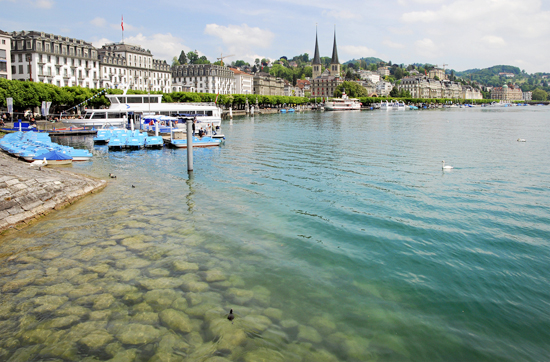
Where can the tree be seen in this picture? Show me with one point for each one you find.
(182, 59)
(240, 63)
(394, 92)
(175, 62)
(349, 75)
(539, 95)
(398, 73)
(353, 89)
(192, 57)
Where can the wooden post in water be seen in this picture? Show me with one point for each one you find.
(189, 123)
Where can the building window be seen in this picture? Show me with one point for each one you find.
(13, 69)
(39, 46)
(3, 41)
(20, 69)
(20, 57)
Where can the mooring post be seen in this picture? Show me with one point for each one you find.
(189, 123)
(156, 128)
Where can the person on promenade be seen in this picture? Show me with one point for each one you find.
(194, 123)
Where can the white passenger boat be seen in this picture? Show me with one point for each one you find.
(342, 104)
(134, 106)
(388, 106)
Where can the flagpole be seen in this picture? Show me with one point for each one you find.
(122, 26)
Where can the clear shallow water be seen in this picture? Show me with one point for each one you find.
(333, 236)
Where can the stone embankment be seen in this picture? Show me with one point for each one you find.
(27, 193)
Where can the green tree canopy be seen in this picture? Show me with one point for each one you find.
(539, 95)
(182, 58)
(353, 90)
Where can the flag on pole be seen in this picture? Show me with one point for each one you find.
(216, 101)
(122, 22)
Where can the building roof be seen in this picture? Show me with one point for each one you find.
(237, 71)
(316, 57)
(334, 52)
(4, 33)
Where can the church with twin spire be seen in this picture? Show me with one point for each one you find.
(324, 83)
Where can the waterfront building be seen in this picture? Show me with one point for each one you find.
(425, 87)
(527, 96)
(132, 66)
(204, 78)
(383, 71)
(507, 93)
(54, 59)
(383, 88)
(324, 84)
(244, 82)
(437, 72)
(368, 75)
(268, 85)
(5, 55)
(469, 92)
(304, 84)
(451, 90)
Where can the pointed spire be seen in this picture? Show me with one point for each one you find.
(316, 57)
(334, 51)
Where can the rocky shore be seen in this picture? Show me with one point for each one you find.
(27, 193)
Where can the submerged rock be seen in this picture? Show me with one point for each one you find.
(37, 336)
(49, 303)
(146, 318)
(132, 263)
(60, 322)
(161, 298)
(183, 266)
(215, 275)
(240, 296)
(274, 313)
(161, 283)
(323, 324)
(176, 320)
(138, 334)
(96, 339)
(103, 301)
(264, 354)
(309, 334)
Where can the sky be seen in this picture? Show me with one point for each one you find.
(462, 34)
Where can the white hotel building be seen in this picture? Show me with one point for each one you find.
(204, 78)
(126, 64)
(5, 55)
(54, 59)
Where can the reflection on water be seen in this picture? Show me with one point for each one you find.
(330, 251)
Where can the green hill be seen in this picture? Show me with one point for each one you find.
(368, 60)
(489, 72)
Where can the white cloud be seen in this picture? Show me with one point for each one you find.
(241, 40)
(393, 45)
(162, 46)
(44, 4)
(357, 51)
(419, 16)
(342, 14)
(98, 22)
(493, 40)
(426, 47)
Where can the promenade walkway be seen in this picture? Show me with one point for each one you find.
(27, 193)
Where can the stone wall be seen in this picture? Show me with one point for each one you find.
(27, 193)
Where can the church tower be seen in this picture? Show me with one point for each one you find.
(316, 63)
(335, 67)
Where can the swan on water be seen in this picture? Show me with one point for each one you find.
(521, 139)
(446, 167)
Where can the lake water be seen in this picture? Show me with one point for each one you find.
(332, 236)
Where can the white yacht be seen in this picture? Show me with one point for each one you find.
(134, 106)
(343, 104)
